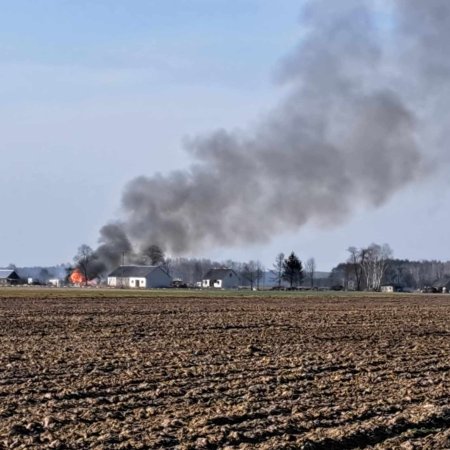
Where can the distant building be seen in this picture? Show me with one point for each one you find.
(221, 279)
(391, 288)
(139, 277)
(387, 289)
(9, 277)
(442, 285)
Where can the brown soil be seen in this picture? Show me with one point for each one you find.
(270, 373)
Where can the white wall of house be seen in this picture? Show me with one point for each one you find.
(230, 281)
(157, 278)
(126, 282)
(112, 281)
(137, 282)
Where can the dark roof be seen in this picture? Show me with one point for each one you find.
(218, 274)
(132, 271)
(6, 274)
(443, 282)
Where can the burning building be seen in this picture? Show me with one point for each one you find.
(77, 278)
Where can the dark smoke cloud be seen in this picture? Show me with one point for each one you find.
(349, 134)
(426, 34)
(114, 244)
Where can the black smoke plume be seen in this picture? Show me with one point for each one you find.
(363, 90)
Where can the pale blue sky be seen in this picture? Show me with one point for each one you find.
(95, 92)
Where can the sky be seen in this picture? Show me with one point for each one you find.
(94, 93)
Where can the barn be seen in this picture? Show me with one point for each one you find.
(139, 277)
(9, 277)
(220, 279)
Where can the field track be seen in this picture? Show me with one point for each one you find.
(199, 372)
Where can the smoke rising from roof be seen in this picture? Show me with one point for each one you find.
(362, 89)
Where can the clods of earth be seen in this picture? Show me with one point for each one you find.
(342, 372)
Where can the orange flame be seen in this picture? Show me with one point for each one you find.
(76, 277)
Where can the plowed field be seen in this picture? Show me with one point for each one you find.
(258, 372)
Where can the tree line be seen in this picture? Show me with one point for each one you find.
(369, 268)
(288, 269)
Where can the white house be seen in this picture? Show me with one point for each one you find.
(139, 277)
(221, 279)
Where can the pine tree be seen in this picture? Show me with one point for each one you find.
(292, 270)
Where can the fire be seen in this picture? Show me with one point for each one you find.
(76, 277)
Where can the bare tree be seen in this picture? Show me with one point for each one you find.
(277, 271)
(84, 259)
(375, 264)
(340, 277)
(356, 259)
(252, 273)
(310, 268)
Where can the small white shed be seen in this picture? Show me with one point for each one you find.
(139, 277)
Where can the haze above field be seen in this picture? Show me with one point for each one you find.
(96, 93)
